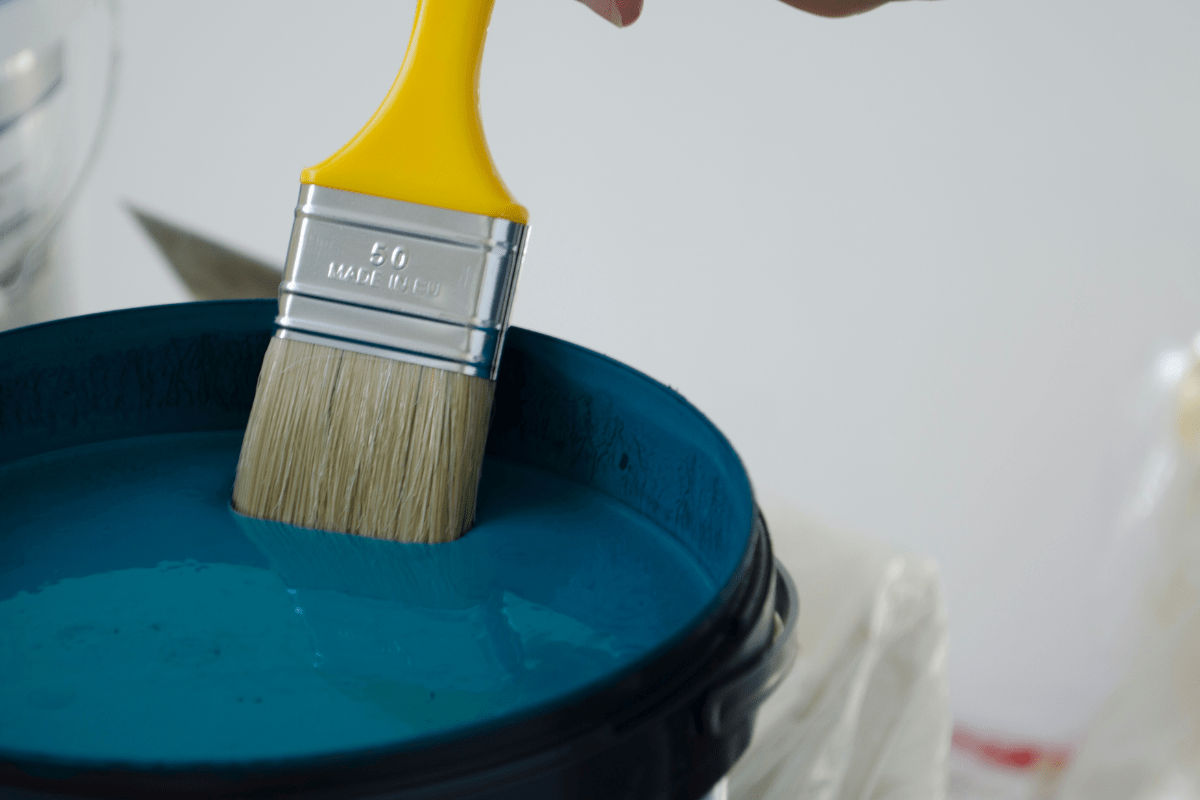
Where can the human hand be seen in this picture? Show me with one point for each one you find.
(624, 12)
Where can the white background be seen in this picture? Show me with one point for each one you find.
(913, 263)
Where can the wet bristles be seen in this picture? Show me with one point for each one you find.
(353, 443)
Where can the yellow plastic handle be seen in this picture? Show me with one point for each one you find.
(425, 143)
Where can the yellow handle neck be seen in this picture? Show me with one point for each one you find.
(425, 142)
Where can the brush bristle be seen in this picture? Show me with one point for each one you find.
(342, 441)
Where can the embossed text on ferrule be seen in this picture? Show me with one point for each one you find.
(407, 283)
(403, 284)
(359, 275)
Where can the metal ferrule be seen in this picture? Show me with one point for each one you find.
(400, 280)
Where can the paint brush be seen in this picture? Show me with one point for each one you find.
(374, 399)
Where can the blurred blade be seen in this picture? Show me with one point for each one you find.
(211, 271)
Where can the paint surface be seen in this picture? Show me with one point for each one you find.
(142, 621)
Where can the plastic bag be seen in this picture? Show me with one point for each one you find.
(1145, 743)
(865, 712)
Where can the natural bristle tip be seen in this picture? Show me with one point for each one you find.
(347, 442)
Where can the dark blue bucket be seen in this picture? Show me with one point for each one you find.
(607, 630)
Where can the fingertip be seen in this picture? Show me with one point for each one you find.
(630, 10)
(835, 8)
(619, 12)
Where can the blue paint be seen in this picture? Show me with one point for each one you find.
(144, 621)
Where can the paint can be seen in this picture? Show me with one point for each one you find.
(607, 630)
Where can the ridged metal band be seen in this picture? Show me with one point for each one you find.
(400, 280)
